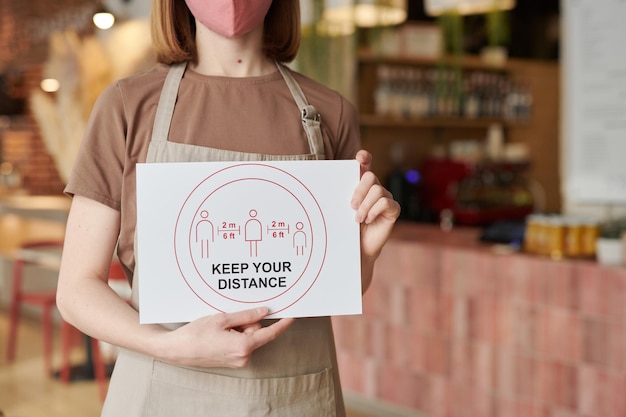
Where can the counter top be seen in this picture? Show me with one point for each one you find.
(16, 230)
(467, 237)
(46, 207)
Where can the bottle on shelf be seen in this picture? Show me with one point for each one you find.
(405, 91)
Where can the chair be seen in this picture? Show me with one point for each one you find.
(46, 254)
(44, 299)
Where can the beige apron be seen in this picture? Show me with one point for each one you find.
(293, 376)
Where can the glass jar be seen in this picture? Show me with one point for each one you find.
(555, 237)
(573, 241)
(531, 233)
(590, 232)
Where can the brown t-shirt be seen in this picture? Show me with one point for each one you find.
(255, 114)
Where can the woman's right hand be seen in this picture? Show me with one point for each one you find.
(222, 340)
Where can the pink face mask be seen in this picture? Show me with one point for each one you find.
(229, 18)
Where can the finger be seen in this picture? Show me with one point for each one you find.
(251, 328)
(375, 195)
(243, 318)
(365, 160)
(271, 332)
(368, 180)
(385, 207)
(372, 194)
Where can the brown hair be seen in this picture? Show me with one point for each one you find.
(174, 31)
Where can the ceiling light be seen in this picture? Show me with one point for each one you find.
(50, 85)
(103, 19)
(465, 7)
(343, 16)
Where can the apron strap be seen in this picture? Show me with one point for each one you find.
(167, 101)
(311, 119)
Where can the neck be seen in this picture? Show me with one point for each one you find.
(237, 57)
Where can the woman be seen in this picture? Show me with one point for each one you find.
(216, 94)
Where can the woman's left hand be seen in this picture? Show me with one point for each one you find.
(376, 210)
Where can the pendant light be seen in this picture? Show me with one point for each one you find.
(465, 7)
(345, 15)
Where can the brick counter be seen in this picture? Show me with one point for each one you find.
(452, 329)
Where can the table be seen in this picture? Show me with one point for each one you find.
(43, 207)
(16, 230)
(25, 218)
(29, 219)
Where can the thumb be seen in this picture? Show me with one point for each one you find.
(365, 160)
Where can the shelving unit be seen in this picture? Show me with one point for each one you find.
(375, 120)
(417, 135)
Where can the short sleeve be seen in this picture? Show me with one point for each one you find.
(98, 169)
(348, 132)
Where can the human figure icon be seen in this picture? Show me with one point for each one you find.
(299, 239)
(253, 233)
(205, 233)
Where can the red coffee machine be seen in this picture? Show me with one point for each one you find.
(477, 193)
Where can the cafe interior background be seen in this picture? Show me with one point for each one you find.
(497, 124)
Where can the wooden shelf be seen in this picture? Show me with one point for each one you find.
(466, 62)
(373, 120)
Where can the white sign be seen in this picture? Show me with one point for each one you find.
(223, 237)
